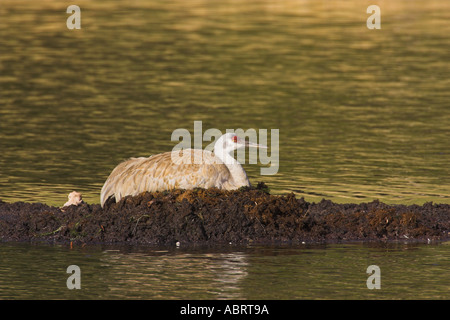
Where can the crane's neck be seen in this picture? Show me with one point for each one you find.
(238, 174)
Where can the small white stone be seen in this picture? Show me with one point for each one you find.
(75, 198)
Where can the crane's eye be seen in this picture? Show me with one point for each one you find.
(234, 139)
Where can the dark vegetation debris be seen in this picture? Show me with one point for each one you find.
(212, 216)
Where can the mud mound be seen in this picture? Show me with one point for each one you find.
(214, 216)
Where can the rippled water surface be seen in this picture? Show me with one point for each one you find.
(363, 114)
(407, 271)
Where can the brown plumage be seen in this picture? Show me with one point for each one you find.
(182, 169)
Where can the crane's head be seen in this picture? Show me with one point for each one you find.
(230, 142)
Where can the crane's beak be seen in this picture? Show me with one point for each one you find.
(255, 145)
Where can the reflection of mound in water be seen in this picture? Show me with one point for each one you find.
(217, 216)
(209, 274)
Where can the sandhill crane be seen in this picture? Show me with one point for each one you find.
(180, 170)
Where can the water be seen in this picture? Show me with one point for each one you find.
(363, 114)
(407, 271)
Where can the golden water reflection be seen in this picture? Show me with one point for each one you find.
(333, 271)
(363, 114)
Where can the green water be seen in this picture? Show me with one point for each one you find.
(363, 114)
(407, 271)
